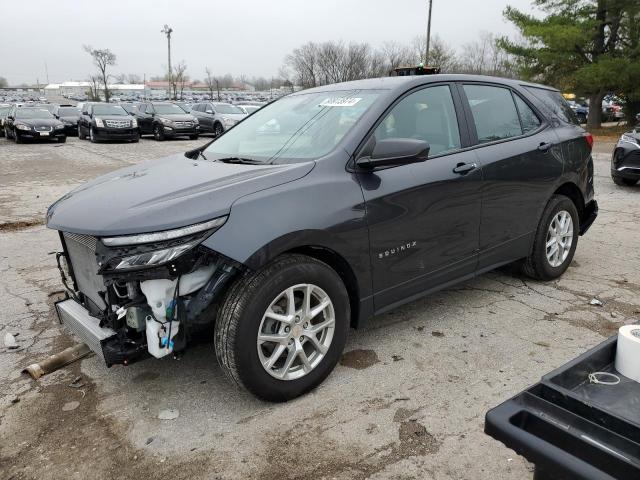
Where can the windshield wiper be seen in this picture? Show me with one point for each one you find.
(244, 161)
(201, 154)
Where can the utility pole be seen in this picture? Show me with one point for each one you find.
(46, 71)
(426, 55)
(167, 30)
(217, 87)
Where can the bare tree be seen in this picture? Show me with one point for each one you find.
(212, 83)
(178, 78)
(303, 62)
(485, 57)
(93, 93)
(102, 58)
(394, 54)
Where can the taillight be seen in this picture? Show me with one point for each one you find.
(589, 138)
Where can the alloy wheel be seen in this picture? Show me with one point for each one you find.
(296, 331)
(559, 238)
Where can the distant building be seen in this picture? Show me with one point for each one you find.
(71, 88)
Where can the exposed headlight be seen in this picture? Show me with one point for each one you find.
(99, 122)
(58, 127)
(229, 121)
(156, 257)
(134, 123)
(164, 235)
(21, 126)
(166, 121)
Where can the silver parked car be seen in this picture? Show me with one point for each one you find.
(216, 117)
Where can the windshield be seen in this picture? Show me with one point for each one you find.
(168, 108)
(109, 110)
(68, 112)
(32, 113)
(294, 128)
(222, 108)
(48, 108)
(250, 108)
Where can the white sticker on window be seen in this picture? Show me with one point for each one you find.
(339, 102)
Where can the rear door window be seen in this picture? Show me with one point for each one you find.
(556, 103)
(494, 112)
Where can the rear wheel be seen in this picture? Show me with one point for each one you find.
(158, 133)
(624, 182)
(555, 240)
(281, 329)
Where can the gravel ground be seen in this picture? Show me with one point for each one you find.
(407, 400)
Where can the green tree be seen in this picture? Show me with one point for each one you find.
(589, 47)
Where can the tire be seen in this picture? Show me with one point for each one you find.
(624, 182)
(136, 139)
(193, 137)
(537, 265)
(92, 136)
(158, 133)
(243, 315)
(62, 139)
(16, 138)
(81, 136)
(217, 130)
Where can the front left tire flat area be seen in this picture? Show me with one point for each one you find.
(281, 329)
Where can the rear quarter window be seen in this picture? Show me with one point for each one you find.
(555, 102)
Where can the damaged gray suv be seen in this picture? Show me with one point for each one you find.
(317, 212)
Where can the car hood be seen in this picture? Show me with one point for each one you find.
(70, 118)
(177, 117)
(163, 194)
(234, 116)
(39, 122)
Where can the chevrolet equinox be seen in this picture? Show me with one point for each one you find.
(315, 213)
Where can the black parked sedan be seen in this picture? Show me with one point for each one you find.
(102, 121)
(319, 211)
(33, 123)
(166, 120)
(69, 116)
(625, 161)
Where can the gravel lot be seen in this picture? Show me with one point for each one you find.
(407, 401)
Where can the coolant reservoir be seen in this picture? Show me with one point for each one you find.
(159, 295)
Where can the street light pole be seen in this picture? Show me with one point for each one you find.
(426, 56)
(167, 30)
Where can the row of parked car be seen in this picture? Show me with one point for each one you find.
(127, 122)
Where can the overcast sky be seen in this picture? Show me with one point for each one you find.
(240, 37)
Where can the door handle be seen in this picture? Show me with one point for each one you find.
(544, 146)
(464, 168)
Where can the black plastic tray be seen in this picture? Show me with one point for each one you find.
(571, 429)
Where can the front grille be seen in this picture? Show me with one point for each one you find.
(183, 124)
(117, 123)
(81, 252)
(43, 128)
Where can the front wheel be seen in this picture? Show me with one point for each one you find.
(555, 240)
(81, 136)
(193, 137)
(62, 139)
(158, 133)
(624, 182)
(281, 329)
(92, 136)
(218, 130)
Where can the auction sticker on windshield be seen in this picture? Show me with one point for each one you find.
(339, 102)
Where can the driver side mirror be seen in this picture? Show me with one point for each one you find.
(395, 151)
(209, 111)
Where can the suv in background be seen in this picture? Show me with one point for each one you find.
(166, 120)
(216, 117)
(317, 212)
(104, 121)
(69, 115)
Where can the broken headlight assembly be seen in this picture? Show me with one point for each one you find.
(156, 248)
